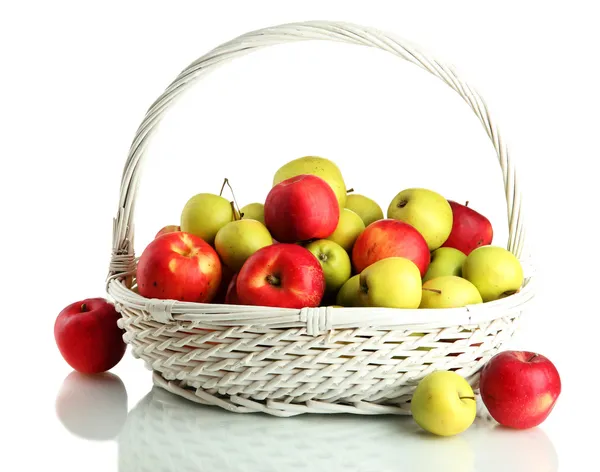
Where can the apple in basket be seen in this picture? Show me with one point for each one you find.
(168, 229)
(179, 266)
(470, 229)
(281, 275)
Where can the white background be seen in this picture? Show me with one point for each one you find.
(76, 80)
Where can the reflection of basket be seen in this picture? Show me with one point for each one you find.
(287, 361)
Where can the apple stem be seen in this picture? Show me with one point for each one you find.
(273, 280)
(467, 203)
(465, 398)
(83, 307)
(532, 357)
(402, 203)
(435, 290)
(235, 213)
(234, 205)
(350, 190)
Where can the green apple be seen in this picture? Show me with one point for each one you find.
(445, 261)
(393, 282)
(443, 403)
(335, 262)
(449, 291)
(238, 240)
(349, 226)
(205, 214)
(426, 210)
(315, 165)
(365, 207)
(495, 271)
(348, 295)
(254, 211)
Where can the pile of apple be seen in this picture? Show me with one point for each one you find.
(312, 243)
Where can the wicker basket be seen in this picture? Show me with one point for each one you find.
(287, 362)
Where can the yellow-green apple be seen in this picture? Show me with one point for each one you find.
(238, 240)
(254, 211)
(445, 261)
(315, 165)
(519, 388)
(334, 260)
(449, 291)
(179, 266)
(365, 207)
(168, 229)
(495, 271)
(394, 282)
(443, 403)
(390, 238)
(348, 294)
(281, 275)
(350, 225)
(205, 214)
(426, 210)
(470, 229)
(301, 208)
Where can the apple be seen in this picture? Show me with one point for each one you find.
(495, 271)
(470, 229)
(88, 337)
(426, 210)
(254, 211)
(388, 238)
(205, 214)
(365, 207)
(226, 276)
(519, 388)
(394, 282)
(334, 260)
(281, 275)
(179, 266)
(445, 261)
(301, 208)
(443, 403)
(348, 294)
(350, 225)
(315, 165)
(167, 229)
(231, 297)
(238, 240)
(449, 291)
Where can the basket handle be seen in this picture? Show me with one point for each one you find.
(123, 258)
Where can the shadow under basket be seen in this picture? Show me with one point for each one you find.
(287, 362)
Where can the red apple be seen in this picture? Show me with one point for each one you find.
(231, 297)
(470, 229)
(519, 388)
(87, 335)
(226, 276)
(168, 229)
(179, 266)
(282, 275)
(301, 208)
(390, 238)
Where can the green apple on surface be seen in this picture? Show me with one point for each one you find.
(254, 211)
(205, 214)
(443, 403)
(393, 282)
(495, 271)
(315, 165)
(349, 227)
(238, 240)
(426, 210)
(365, 207)
(334, 260)
(449, 291)
(445, 261)
(348, 294)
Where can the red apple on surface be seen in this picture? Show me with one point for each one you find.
(519, 388)
(87, 335)
(301, 208)
(282, 275)
(390, 238)
(231, 297)
(179, 266)
(168, 229)
(470, 229)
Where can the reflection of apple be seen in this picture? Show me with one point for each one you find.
(334, 260)
(444, 403)
(348, 294)
(238, 240)
(205, 214)
(519, 388)
(379, 284)
(254, 211)
(449, 291)
(470, 229)
(495, 271)
(426, 210)
(365, 207)
(445, 261)
(349, 227)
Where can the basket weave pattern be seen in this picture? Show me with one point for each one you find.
(287, 362)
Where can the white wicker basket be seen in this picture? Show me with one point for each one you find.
(287, 362)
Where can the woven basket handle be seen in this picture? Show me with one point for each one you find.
(123, 258)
